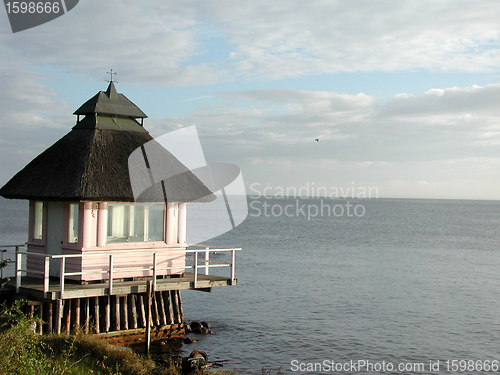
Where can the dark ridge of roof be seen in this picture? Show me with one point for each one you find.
(110, 103)
(94, 121)
(92, 165)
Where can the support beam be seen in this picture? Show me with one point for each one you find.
(161, 308)
(168, 307)
(58, 317)
(182, 223)
(107, 313)
(102, 224)
(115, 308)
(86, 316)
(124, 312)
(141, 300)
(95, 301)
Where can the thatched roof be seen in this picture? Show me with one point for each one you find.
(91, 163)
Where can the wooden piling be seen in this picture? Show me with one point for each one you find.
(58, 316)
(107, 313)
(129, 314)
(49, 317)
(133, 311)
(149, 293)
(124, 312)
(75, 307)
(39, 324)
(96, 314)
(115, 313)
(168, 307)
(86, 315)
(156, 320)
(161, 309)
(67, 316)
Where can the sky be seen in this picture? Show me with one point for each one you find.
(403, 95)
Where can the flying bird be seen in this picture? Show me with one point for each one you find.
(316, 140)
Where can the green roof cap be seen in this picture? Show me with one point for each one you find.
(110, 103)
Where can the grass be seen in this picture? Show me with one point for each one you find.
(23, 352)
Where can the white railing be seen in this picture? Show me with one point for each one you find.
(211, 263)
(3, 250)
(113, 269)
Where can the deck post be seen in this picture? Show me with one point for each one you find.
(155, 313)
(49, 317)
(233, 260)
(179, 301)
(107, 313)
(161, 309)
(124, 311)
(18, 269)
(115, 301)
(154, 271)
(46, 275)
(75, 307)
(195, 269)
(141, 318)
(110, 273)
(96, 314)
(59, 313)
(175, 297)
(168, 308)
(67, 316)
(149, 290)
(133, 311)
(61, 276)
(207, 258)
(86, 319)
(2, 268)
(39, 324)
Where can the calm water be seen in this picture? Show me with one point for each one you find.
(410, 281)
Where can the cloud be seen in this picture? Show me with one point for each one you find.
(148, 42)
(457, 100)
(291, 38)
(270, 134)
(157, 43)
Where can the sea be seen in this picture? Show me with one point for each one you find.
(349, 286)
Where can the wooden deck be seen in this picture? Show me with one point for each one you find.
(33, 287)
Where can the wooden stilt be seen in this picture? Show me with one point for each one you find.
(67, 315)
(141, 300)
(58, 316)
(161, 309)
(124, 312)
(39, 324)
(156, 320)
(86, 316)
(149, 301)
(96, 315)
(168, 307)
(49, 317)
(30, 310)
(175, 306)
(75, 306)
(133, 311)
(115, 302)
(107, 313)
(179, 301)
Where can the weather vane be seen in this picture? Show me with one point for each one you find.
(111, 76)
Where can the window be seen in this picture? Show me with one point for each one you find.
(74, 212)
(38, 221)
(135, 222)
